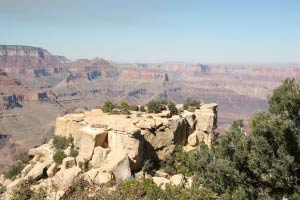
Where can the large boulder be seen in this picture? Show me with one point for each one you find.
(178, 180)
(119, 164)
(129, 144)
(99, 156)
(193, 139)
(90, 138)
(206, 122)
(63, 178)
(206, 117)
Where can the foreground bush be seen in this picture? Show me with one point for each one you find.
(135, 190)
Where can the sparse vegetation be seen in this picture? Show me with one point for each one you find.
(122, 109)
(58, 157)
(78, 190)
(21, 154)
(172, 108)
(60, 142)
(108, 107)
(13, 170)
(191, 104)
(21, 158)
(156, 106)
(23, 192)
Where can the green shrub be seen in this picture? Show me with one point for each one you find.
(133, 189)
(124, 105)
(156, 106)
(59, 156)
(60, 142)
(74, 153)
(142, 109)
(191, 104)
(108, 107)
(178, 162)
(172, 108)
(13, 170)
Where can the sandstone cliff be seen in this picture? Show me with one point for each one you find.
(114, 147)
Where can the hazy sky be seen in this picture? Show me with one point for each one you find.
(157, 30)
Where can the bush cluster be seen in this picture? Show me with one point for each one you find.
(156, 106)
(122, 108)
(191, 104)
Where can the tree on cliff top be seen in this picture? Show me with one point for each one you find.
(108, 106)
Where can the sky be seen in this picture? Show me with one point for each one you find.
(206, 31)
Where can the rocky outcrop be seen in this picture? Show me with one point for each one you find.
(205, 124)
(112, 148)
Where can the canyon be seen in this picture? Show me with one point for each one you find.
(37, 86)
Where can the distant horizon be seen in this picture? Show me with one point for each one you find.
(216, 31)
(165, 62)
